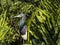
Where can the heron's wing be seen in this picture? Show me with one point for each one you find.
(24, 36)
(24, 30)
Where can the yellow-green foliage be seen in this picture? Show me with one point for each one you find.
(43, 20)
(5, 31)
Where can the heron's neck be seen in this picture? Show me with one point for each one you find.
(22, 22)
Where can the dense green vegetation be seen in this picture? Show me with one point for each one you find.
(43, 21)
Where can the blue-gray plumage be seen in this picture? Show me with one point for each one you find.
(22, 26)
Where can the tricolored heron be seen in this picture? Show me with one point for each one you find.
(22, 27)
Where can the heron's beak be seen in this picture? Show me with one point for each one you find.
(17, 16)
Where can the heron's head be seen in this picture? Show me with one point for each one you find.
(21, 15)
